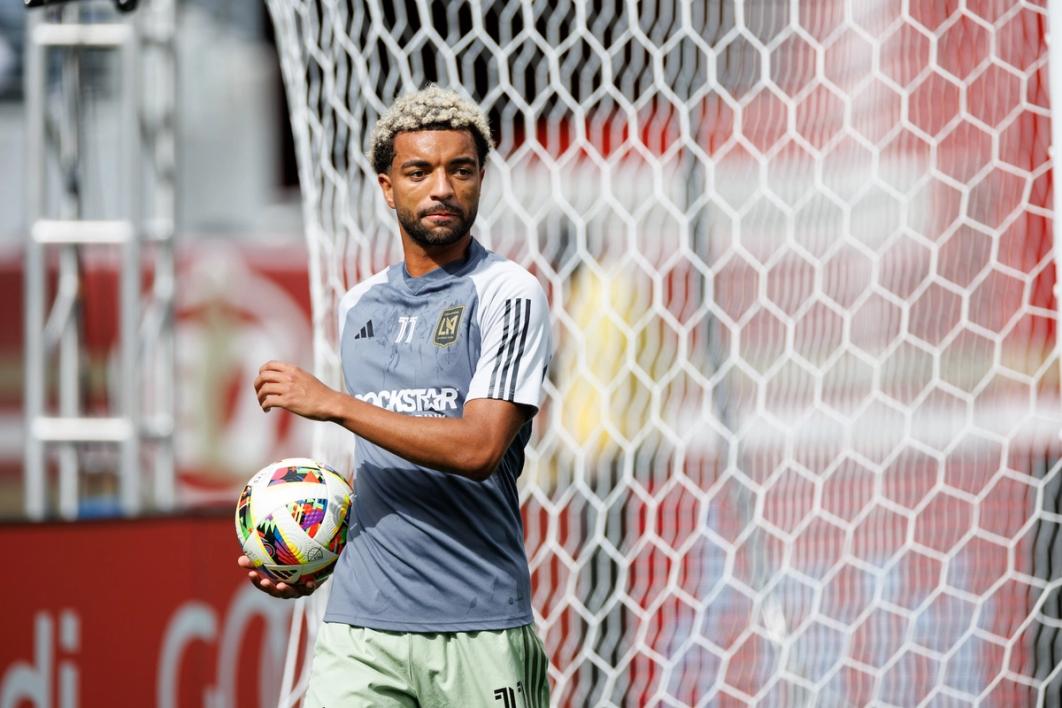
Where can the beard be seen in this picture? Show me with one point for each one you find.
(440, 235)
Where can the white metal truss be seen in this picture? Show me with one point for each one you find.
(139, 417)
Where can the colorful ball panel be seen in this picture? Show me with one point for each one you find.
(291, 519)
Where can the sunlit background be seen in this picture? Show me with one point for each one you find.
(800, 443)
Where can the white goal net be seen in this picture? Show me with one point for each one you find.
(801, 436)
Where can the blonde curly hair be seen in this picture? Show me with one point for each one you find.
(431, 108)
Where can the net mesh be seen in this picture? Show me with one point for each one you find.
(800, 440)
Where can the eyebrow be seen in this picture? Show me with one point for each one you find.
(464, 160)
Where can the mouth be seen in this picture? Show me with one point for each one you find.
(440, 216)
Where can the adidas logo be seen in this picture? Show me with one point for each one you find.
(365, 332)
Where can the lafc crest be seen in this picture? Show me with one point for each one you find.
(446, 330)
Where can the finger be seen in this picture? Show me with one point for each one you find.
(276, 366)
(263, 393)
(266, 377)
(288, 591)
(260, 583)
(270, 401)
(264, 584)
(274, 389)
(244, 562)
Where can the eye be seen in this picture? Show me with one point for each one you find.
(464, 171)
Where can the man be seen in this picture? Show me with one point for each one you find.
(443, 358)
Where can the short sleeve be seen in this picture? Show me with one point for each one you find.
(516, 344)
(351, 298)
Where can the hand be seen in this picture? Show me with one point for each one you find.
(285, 591)
(283, 385)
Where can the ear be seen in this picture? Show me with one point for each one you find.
(387, 187)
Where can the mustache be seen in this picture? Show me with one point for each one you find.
(441, 209)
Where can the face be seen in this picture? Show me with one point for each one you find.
(434, 184)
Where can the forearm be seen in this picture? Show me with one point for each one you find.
(471, 446)
(454, 445)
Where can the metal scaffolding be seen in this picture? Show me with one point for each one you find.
(138, 423)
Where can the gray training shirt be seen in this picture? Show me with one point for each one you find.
(431, 551)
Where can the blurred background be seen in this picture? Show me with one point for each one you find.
(239, 245)
(800, 442)
(159, 597)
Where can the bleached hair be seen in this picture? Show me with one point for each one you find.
(432, 108)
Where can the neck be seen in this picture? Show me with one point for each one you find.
(421, 259)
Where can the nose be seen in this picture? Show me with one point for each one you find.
(441, 189)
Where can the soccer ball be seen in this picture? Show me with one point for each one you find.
(291, 519)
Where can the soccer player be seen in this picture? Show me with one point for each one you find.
(444, 357)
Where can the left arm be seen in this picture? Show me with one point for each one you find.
(470, 446)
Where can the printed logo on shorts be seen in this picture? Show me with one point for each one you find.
(446, 330)
(507, 695)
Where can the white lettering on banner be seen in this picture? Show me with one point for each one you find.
(69, 640)
(197, 621)
(413, 400)
(192, 620)
(246, 605)
(33, 682)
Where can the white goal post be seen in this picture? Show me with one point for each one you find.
(801, 436)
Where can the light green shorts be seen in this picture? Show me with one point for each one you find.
(355, 667)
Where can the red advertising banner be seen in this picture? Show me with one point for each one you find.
(147, 612)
